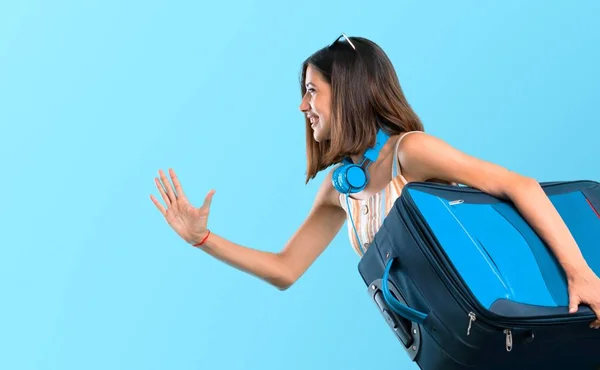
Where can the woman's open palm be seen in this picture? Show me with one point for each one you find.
(188, 221)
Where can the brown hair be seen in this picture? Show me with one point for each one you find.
(366, 96)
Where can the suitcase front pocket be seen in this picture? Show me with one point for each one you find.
(493, 258)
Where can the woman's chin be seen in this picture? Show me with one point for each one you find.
(318, 133)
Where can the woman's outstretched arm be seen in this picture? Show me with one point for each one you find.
(281, 269)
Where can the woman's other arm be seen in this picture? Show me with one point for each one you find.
(424, 157)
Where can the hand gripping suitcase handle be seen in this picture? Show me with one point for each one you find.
(398, 307)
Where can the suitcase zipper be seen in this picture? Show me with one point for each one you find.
(509, 341)
(507, 332)
(457, 286)
(472, 317)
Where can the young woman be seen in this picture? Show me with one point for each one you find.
(350, 90)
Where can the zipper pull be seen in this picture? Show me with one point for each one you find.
(455, 202)
(509, 340)
(472, 318)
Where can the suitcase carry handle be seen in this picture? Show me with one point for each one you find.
(396, 306)
(406, 331)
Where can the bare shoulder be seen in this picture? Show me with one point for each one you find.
(415, 145)
(415, 150)
(423, 156)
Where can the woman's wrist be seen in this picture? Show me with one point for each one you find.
(200, 239)
(574, 271)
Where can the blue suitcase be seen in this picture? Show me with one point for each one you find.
(465, 283)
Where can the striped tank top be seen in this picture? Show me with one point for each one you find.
(368, 214)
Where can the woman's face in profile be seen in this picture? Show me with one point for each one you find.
(316, 104)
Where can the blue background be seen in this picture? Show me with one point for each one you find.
(96, 96)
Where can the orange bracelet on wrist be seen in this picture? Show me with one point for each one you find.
(203, 240)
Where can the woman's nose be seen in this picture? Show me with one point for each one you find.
(304, 104)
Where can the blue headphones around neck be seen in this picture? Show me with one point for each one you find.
(350, 177)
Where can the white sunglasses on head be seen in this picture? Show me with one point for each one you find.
(347, 39)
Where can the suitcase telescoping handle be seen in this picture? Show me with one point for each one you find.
(398, 307)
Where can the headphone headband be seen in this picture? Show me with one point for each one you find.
(352, 178)
(373, 153)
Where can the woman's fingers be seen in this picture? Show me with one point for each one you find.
(208, 199)
(176, 183)
(161, 190)
(167, 186)
(169, 195)
(160, 207)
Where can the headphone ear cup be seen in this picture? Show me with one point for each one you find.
(349, 178)
(337, 179)
(352, 178)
